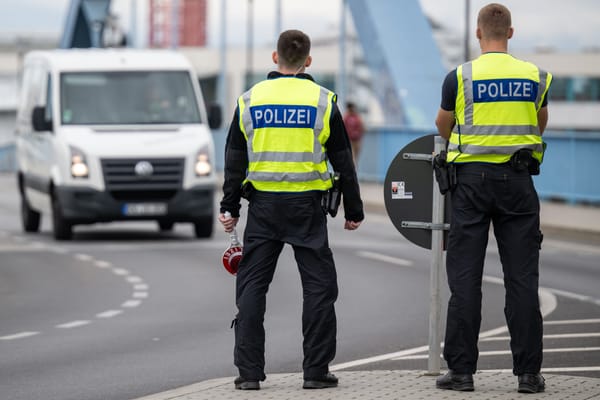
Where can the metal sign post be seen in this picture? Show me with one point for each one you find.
(435, 281)
(420, 213)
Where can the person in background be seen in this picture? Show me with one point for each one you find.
(356, 130)
(494, 111)
(284, 132)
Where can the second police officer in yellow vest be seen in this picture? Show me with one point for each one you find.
(494, 111)
(284, 132)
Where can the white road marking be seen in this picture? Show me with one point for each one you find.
(554, 336)
(382, 257)
(507, 352)
(120, 271)
(109, 314)
(83, 257)
(383, 357)
(20, 335)
(558, 369)
(140, 288)
(102, 264)
(573, 321)
(575, 296)
(73, 324)
(131, 303)
(545, 297)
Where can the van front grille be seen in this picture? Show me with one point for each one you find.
(136, 177)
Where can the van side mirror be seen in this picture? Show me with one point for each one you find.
(215, 116)
(38, 119)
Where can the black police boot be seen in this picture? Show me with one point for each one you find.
(531, 383)
(244, 384)
(453, 381)
(328, 380)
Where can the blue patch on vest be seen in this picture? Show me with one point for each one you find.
(283, 116)
(492, 90)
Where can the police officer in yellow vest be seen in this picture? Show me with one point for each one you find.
(284, 132)
(494, 111)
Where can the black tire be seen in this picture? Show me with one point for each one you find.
(203, 228)
(61, 228)
(30, 219)
(165, 226)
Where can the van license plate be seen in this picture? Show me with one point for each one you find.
(136, 209)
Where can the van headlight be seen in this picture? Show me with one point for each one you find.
(79, 167)
(203, 166)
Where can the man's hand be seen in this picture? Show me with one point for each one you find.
(228, 223)
(351, 225)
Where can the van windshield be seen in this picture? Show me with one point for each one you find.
(134, 97)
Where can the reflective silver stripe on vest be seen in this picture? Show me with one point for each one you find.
(317, 157)
(467, 78)
(247, 118)
(279, 156)
(497, 130)
(474, 149)
(541, 88)
(288, 176)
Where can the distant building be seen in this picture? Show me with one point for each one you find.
(190, 16)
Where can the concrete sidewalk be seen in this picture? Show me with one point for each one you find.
(386, 385)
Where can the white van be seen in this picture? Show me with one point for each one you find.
(114, 134)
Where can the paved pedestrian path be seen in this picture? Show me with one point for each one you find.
(386, 385)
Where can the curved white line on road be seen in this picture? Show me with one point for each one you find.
(102, 264)
(109, 314)
(388, 259)
(140, 288)
(73, 324)
(20, 335)
(548, 304)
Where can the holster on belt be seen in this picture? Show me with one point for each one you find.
(523, 160)
(332, 198)
(445, 174)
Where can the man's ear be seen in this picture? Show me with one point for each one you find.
(275, 57)
(308, 62)
(511, 31)
(478, 33)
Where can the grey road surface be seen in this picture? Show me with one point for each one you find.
(123, 311)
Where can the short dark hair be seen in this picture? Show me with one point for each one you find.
(494, 21)
(293, 47)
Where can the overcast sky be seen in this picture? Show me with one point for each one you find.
(565, 25)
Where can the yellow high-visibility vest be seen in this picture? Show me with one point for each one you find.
(498, 98)
(286, 123)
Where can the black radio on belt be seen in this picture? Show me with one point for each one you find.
(523, 160)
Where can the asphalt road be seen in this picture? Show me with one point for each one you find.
(123, 311)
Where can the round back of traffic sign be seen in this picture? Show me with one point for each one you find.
(408, 191)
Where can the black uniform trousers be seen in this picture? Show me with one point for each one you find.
(273, 220)
(493, 192)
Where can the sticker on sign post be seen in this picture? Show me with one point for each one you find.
(399, 191)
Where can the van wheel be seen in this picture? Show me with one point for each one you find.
(61, 229)
(165, 226)
(203, 228)
(30, 219)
